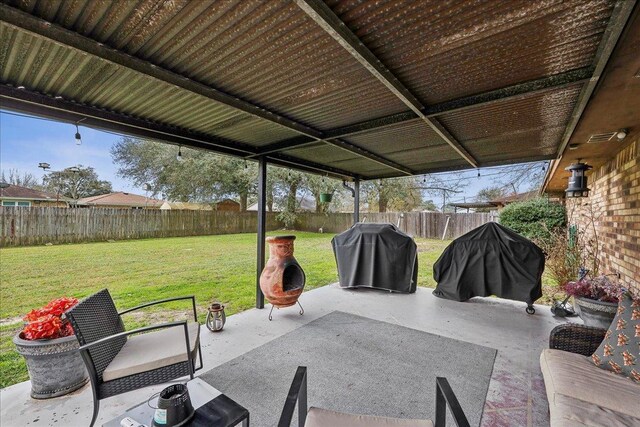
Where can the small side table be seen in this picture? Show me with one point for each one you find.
(213, 409)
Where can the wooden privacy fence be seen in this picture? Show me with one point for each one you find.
(429, 225)
(42, 225)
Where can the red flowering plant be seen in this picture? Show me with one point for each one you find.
(46, 323)
(600, 288)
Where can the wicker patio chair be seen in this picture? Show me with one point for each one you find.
(119, 361)
(317, 417)
(576, 338)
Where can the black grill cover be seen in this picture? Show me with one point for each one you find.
(490, 260)
(376, 256)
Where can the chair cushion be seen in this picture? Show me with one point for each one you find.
(153, 350)
(580, 393)
(620, 350)
(317, 417)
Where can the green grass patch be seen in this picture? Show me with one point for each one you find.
(220, 268)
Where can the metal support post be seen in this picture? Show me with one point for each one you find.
(262, 226)
(356, 201)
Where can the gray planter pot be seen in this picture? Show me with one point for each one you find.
(55, 366)
(596, 313)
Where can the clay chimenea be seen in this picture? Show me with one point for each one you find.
(282, 279)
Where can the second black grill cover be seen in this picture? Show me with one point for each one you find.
(376, 256)
(490, 260)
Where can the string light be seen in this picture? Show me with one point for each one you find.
(179, 156)
(478, 173)
(78, 136)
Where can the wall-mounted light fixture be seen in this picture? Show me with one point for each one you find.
(578, 180)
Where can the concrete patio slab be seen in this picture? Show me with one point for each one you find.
(516, 393)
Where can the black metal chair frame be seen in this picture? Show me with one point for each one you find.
(98, 353)
(576, 338)
(298, 395)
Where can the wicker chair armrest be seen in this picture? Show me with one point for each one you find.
(137, 331)
(576, 338)
(191, 297)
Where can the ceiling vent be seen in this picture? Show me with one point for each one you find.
(601, 137)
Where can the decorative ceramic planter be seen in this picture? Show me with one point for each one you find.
(595, 313)
(55, 366)
(282, 279)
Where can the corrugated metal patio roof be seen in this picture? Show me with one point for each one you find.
(352, 88)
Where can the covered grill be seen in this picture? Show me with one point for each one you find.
(376, 256)
(490, 260)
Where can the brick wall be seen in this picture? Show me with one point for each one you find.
(613, 210)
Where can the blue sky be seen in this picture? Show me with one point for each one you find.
(27, 141)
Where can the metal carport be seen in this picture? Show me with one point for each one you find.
(355, 89)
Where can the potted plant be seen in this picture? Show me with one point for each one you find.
(596, 299)
(326, 197)
(50, 349)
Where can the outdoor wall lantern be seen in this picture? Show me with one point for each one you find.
(216, 317)
(578, 180)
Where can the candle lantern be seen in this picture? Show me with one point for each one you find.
(216, 317)
(578, 180)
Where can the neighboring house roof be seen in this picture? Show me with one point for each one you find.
(121, 199)
(503, 201)
(24, 193)
(227, 201)
(515, 198)
(473, 205)
(303, 203)
(185, 206)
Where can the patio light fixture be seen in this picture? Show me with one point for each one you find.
(179, 156)
(578, 180)
(622, 134)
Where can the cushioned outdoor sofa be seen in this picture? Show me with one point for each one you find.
(579, 392)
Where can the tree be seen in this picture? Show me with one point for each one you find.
(399, 194)
(522, 176)
(76, 182)
(200, 176)
(25, 179)
(488, 194)
(317, 184)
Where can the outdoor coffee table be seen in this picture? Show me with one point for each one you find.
(213, 409)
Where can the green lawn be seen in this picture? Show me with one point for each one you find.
(218, 268)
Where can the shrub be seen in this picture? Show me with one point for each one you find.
(536, 219)
(563, 255)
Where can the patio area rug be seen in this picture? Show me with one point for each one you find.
(358, 365)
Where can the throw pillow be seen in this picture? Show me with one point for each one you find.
(620, 350)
